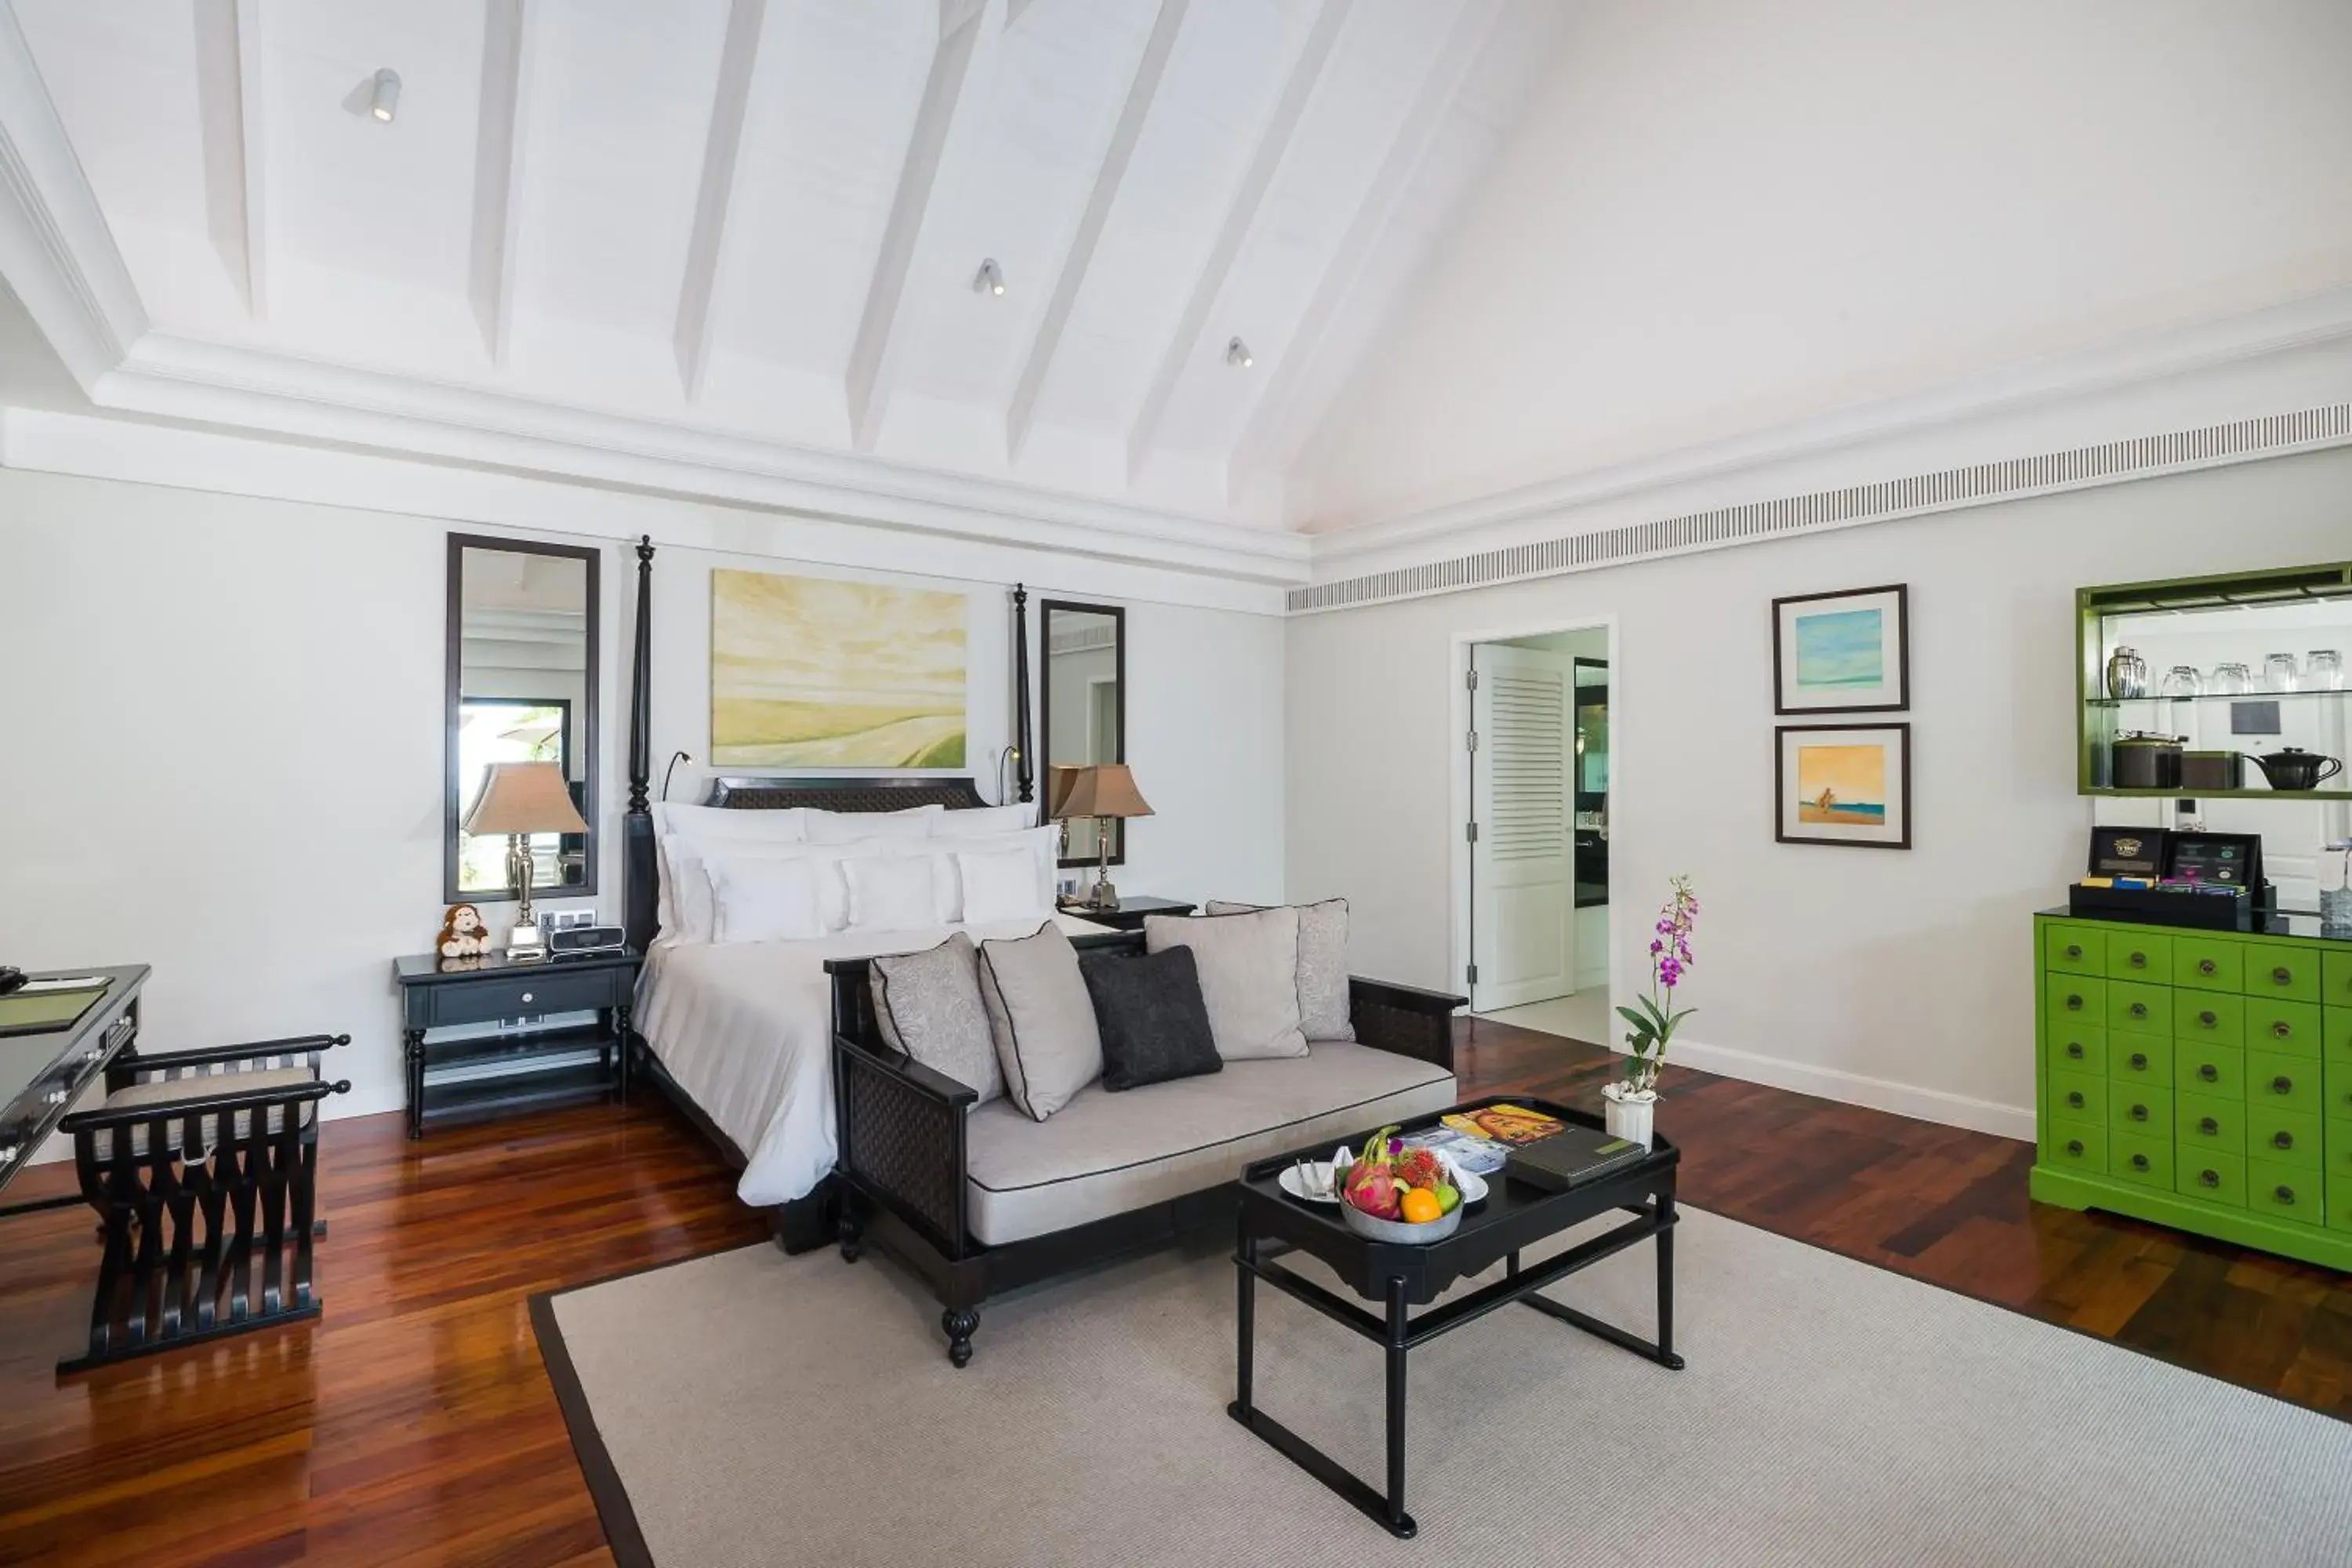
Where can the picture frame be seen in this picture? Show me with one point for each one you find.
(1843, 784)
(1843, 652)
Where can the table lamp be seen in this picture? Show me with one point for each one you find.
(1106, 792)
(519, 799)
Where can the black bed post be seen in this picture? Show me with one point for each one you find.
(1024, 773)
(642, 880)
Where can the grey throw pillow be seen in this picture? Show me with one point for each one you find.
(1043, 1019)
(1323, 1005)
(928, 1005)
(1249, 978)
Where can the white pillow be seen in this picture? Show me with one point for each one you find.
(1001, 885)
(890, 892)
(849, 826)
(718, 824)
(765, 899)
(983, 821)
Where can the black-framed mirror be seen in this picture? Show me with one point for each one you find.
(1082, 707)
(522, 667)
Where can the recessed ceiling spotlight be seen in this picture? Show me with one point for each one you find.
(1237, 352)
(988, 279)
(384, 101)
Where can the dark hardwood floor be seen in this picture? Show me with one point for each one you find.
(415, 1423)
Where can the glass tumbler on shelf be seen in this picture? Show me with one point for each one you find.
(2322, 670)
(2336, 888)
(2182, 680)
(2231, 681)
(2278, 672)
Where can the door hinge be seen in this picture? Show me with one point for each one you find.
(1473, 739)
(1472, 831)
(1473, 681)
(1474, 974)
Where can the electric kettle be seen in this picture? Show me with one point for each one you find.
(2295, 768)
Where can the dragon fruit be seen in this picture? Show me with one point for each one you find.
(1372, 1180)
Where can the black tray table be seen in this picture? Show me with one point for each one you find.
(1402, 1275)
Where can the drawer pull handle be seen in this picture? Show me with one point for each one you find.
(2139, 1009)
(527, 997)
(2139, 1061)
(2140, 1162)
(2074, 1050)
(2282, 1140)
(2283, 1194)
(2283, 976)
(2073, 950)
(2208, 1126)
(2282, 1085)
(2139, 961)
(2282, 1028)
(2139, 1113)
(2073, 1004)
(2207, 966)
(2075, 1147)
(2208, 1178)
(2207, 1018)
(2208, 1072)
(2074, 1099)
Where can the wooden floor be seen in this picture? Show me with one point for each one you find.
(415, 1423)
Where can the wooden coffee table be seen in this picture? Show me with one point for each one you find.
(1515, 1215)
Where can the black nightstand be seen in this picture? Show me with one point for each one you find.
(1130, 914)
(522, 1062)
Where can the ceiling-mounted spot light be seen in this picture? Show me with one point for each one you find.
(384, 101)
(1237, 352)
(988, 279)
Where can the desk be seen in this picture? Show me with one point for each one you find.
(41, 1075)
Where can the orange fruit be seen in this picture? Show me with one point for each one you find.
(1421, 1206)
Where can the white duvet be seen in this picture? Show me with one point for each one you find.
(745, 1029)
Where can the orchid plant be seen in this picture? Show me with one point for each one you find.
(1655, 1017)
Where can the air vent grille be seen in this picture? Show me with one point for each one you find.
(1975, 485)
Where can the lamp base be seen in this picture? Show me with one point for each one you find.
(525, 943)
(1102, 897)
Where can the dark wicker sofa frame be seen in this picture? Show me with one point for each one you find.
(900, 1177)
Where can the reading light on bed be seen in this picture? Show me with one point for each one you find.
(1103, 791)
(519, 799)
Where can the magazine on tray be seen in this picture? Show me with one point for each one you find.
(1503, 1123)
(1479, 1156)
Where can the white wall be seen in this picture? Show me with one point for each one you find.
(1897, 979)
(1718, 216)
(223, 749)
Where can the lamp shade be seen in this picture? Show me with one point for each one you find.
(523, 798)
(1104, 789)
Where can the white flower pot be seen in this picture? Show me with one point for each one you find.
(1629, 1112)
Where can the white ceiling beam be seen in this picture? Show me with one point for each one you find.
(1273, 143)
(509, 53)
(1270, 428)
(1047, 341)
(946, 125)
(706, 243)
(230, 87)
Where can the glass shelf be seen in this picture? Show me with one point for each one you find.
(2220, 697)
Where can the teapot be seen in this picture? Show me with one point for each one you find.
(2295, 768)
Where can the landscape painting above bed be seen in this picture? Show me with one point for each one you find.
(818, 672)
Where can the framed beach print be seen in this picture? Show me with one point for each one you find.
(1841, 653)
(1843, 783)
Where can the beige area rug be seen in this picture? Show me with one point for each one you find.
(760, 1409)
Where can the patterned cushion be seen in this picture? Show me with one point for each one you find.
(1323, 1003)
(200, 1087)
(1249, 977)
(928, 1005)
(1043, 1020)
(1154, 1025)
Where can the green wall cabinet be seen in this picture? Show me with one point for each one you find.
(2199, 1080)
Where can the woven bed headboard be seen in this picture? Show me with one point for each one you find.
(872, 793)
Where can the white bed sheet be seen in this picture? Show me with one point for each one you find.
(745, 1029)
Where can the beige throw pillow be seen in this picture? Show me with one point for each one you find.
(1323, 1003)
(929, 1005)
(1249, 978)
(1043, 1018)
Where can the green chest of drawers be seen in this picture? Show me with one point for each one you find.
(2199, 1080)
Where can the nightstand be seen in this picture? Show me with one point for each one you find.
(1130, 914)
(483, 1037)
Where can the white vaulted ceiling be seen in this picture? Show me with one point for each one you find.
(628, 240)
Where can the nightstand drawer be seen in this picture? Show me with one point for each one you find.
(2071, 999)
(2147, 1161)
(2275, 969)
(549, 990)
(2208, 963)
(2083, 1048)
(2214, 1126)
(2206, 1015)
(2289, 1026)
(2284, 1192)
(2283, 1138)
(2078, 1147)
(2140, 956)
(2283, 1083)
(2216, 1178)
(2136, 1005)
(2135, 1108)
(2140, 1058)
(2214, 1070)
(2074, 949)
(2077, 1097)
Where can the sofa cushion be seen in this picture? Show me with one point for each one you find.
(1325, 1011)
(194, 1089)
(1105, 1153)
(1154, 1026)
(1042, 1018)
(928, 1005)
(1249, 976)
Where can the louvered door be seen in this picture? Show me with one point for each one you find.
(1523, 859)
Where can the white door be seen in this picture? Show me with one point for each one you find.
(1523, 843)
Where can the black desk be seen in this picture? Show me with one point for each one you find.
(41, 1074)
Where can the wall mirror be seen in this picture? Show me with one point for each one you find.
(522, 688)
(1084, 706)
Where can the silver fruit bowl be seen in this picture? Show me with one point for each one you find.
(1402, 1231)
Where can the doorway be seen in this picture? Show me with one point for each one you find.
(1535, 830)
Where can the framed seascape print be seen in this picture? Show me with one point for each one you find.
(1841, 653)
(814, 672)
(1843, 783)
